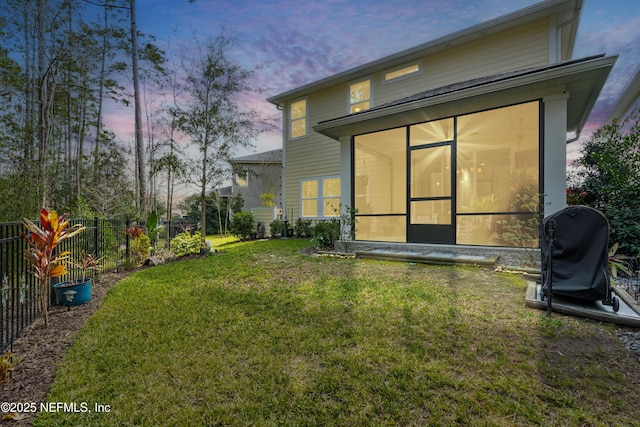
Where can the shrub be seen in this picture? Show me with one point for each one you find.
(267, 200)
(140, 247)
(302, 227)
(242, 224)
(607, 174)
(325, 234)
(185, 244)
(348, 222)
(276, 227)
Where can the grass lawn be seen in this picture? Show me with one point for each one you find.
(217, 241)
(262, 335)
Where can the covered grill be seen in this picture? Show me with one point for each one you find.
(574, 249)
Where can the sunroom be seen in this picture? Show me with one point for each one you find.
(458, 164)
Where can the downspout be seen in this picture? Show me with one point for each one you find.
(575, 138)
(283, 185)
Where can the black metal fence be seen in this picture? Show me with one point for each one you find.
(105, 238)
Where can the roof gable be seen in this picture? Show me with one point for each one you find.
(566, 14)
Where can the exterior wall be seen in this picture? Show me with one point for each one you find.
(517, 49)
(316, 155)
(256, 185)
(265, 216)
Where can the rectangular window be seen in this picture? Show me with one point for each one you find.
(403, 72)
(359, 96)
(242, 180)
(331, 196)
(320, 197)
(298, 119)
(310, 198)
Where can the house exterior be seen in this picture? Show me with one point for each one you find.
(442, 143)
(256, 175)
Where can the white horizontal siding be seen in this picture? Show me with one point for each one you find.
(524, 47)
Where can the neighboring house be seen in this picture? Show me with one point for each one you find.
(259, 175)
(438, 143)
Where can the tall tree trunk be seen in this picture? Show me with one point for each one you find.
(203, 196)
(101, 83)
(142, 190)
(42, 100)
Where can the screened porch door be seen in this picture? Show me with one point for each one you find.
(430, 218)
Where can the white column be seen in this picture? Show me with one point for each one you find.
(555, 152)
(345, 171)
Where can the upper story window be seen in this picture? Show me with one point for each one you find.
(242, 179)
(403, 71)
(359, 96)
(298, 119)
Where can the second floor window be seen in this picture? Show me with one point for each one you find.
(359, 96)
(298, 119)
(402, 72)
(242, 179)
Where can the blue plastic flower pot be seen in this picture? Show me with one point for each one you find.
(82, 289)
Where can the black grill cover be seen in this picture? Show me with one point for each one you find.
(579, 255)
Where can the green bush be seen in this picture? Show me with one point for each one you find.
(624, 220)
(277, 228)
(302, 227)
(325, 234)
(185, 244)
(140, 247)
(242, 224)
(607, 178)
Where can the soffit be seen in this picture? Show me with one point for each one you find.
(581, 80)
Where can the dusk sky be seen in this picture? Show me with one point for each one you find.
(303, 41)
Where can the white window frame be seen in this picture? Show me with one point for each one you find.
(305, 117)
(370, 99)
(320, 199)
(388, 71)
(246, 180)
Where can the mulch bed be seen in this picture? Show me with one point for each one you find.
(39, 351)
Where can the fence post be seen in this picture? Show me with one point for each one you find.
(96, 232)
(127, 240)
(168, 241)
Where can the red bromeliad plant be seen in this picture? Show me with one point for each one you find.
(40, 253)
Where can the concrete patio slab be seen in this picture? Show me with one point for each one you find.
(428, 257)
(627, 315)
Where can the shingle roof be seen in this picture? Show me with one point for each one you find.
(273, 156)
(469, 84)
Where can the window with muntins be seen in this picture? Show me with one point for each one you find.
(320, 197)
(298, 118)
(359, 96)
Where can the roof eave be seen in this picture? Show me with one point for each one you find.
(496, 25)
(583, 81)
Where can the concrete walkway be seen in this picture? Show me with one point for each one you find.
(428, 257)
